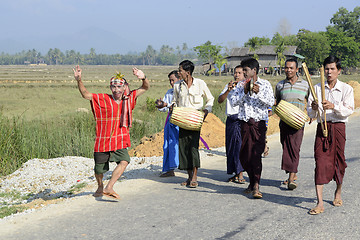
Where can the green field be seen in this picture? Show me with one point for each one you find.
(40, 117)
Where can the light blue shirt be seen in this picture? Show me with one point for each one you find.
(167, 99)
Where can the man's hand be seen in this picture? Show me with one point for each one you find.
(314, 106)
(160, 103)
(247, 87)
(84, 93)
(231, 85)
(138, 73)
(77, 73)
(256, 88)
(327, 105)
(206, 113)
(171, 108)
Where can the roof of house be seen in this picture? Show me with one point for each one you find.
(263, 50)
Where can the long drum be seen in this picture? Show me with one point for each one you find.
(291, 115)
(187, 118)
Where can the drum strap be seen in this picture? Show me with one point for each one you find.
(205, 144)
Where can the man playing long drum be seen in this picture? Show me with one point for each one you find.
(295, 91)
(329, 151)
(189, 92)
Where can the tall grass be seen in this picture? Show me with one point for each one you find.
(20, 140)
(69, 135)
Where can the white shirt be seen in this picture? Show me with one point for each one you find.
(167, 99)
(341, 95)
(256, 105)
(193, 97)
(230, 109)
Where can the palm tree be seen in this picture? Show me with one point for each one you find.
(280, 55)
(150, 54)
(92, 55)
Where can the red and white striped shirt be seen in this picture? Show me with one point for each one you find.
(109, 135)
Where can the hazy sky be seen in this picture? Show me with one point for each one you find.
(136, 24)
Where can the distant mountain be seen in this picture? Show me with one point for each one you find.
(12, 46)
(101, 40)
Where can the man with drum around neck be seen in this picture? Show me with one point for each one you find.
(329, 150)
(254, 101)
(189, 92)
(295, 91)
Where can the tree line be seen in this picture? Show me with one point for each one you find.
(165, 56)
(341, 38)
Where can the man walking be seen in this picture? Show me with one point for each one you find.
(338, 105)
(295, 91)
(189, 92)
(232, 128)
(254, 101)
(171, 131)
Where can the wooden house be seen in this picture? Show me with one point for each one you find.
(266, 53)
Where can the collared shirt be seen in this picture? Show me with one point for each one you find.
(230, 109)
(293, 93)
(193, 97)
(110, 136)
(256, 105)
(341, 95)
(167, 99)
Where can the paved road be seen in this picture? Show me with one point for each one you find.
(162, 209)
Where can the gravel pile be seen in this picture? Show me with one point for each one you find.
(53, 178)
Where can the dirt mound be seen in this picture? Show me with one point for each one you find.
(356, 86)
(212, 131)
(273, 125)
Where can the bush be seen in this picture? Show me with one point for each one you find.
(150, 104)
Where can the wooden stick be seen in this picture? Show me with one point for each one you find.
(308, 78)
(322, 76)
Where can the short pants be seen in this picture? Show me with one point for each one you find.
(102, 159)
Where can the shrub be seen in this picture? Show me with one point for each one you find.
(150, 104)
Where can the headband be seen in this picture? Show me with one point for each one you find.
(118, 79)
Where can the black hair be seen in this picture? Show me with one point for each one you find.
(238, 66)
(333, 59)
(251, 63)
(187, 66)
(175, 72)
(292, 60)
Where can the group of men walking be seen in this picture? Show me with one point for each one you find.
(248, 99)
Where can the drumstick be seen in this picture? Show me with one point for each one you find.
(322, 77)
(308, 78)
